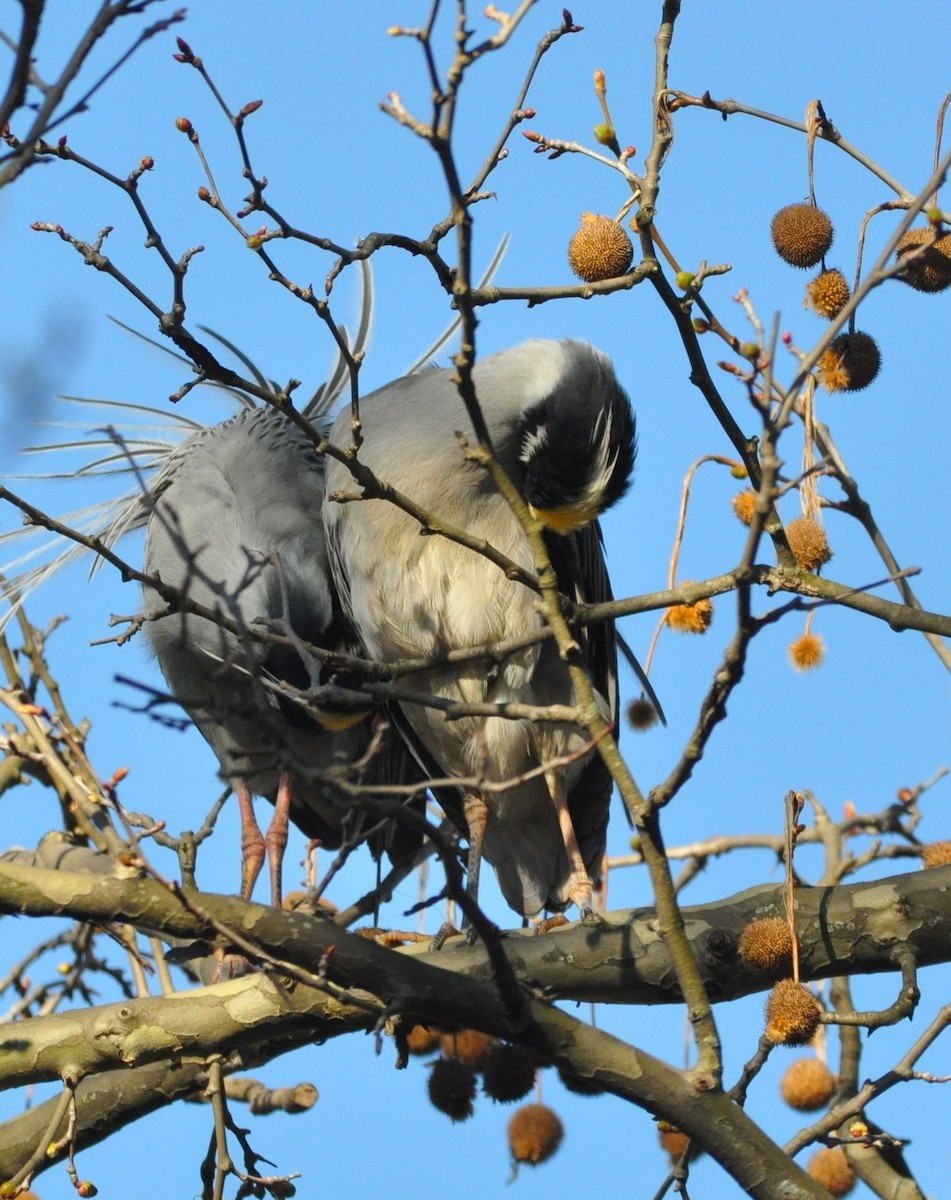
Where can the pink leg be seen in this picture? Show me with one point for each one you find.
(477, 817)
(252, 843)
(276, 838)
(579, 885)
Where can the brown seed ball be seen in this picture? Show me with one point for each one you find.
(452, 1088)
(421, 1040)
(849, 363)
(792, 1014)
(508, 1072)
(808, 1085)
(641, 714)
(691, 618)
(833, 1170)
(744, 505)
(767, 944)
(600, 249)
(581, 1085)
(936, 855)
(828, 293)
(535, 1133)
(808, 542)
(807, 652)
(675, 1143)
(468, 1045)
(802, 234)
(931, 270)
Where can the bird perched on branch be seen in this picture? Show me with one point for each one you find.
(234, 526)
(562, 429)
(232, 519)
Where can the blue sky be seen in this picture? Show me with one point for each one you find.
(872, 719)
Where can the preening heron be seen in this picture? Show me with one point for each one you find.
(563, 430)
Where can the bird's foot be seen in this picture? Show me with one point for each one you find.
(445, 931)
(229, 966)
(547, 924)
(448, 930)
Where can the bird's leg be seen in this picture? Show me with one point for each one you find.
(579, 885)
(275, 840)
(477, 816)
(252, 842)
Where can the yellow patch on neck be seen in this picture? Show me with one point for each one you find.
(566, 519)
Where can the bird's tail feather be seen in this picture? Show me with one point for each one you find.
(121, 446)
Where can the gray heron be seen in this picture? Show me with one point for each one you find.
(563, 430)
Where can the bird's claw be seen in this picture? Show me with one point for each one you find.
(445, 931)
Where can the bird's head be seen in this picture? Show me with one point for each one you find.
(577, 435)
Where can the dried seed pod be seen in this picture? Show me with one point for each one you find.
(807, 652)
(828, 293)
(849, 363)
(808, 542)
(452, 1088)
(641, 714)
(508, 1072)
(833, 1170)
(535, 1133)
(767, 944)
(802, 234)
(675, 1143)
(792, 1014)
(691, 618)
(930, 271)
(423, 1040)
(937, 854)
(600, 249)
(468, 1045)
(808, 1085)
(744, 505)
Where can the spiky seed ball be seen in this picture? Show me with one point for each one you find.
(802, 234)
(691, 618)
(792, 1014)
(807, 652)
(600, 249)
(744, 505)
(641, 714)
(828, 293)
(675, 1143)
(808, 542)
(833, 1170)
(767, 944)
(931, 270)
(581, 1085)
(508, 1072)
(468, 1045)
(849, 363)
(808, 1085)
(452, 1088)
(422, 1040)
(938, 854)
(535, 1133)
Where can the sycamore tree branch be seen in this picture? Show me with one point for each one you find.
(603, 1062)
(852, 929)
(848, 929)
